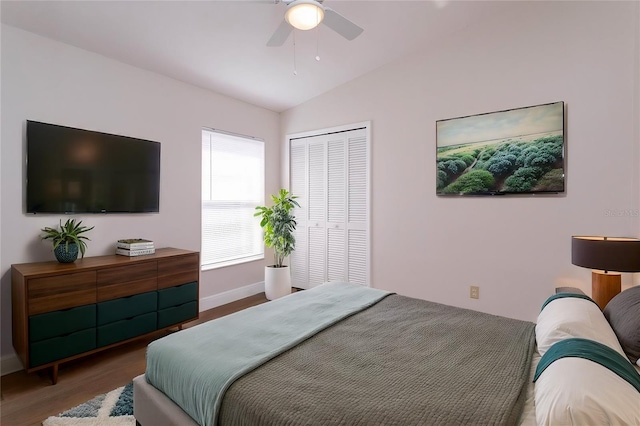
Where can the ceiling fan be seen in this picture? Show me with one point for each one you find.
(308, 14)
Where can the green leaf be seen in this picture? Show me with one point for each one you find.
(279, 224)
(68, 233)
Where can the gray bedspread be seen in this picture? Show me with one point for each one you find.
(196, 366)
(401, 362)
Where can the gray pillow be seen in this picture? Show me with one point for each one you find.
(623, 314)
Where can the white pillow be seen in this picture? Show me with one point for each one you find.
(576, 391)
(573, 317)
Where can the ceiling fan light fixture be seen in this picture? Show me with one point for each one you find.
(304, 14)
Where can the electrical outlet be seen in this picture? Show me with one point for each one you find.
(474, 292)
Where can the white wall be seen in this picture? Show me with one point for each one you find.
(47, 81)
(516, 248)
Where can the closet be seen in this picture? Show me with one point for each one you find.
(330, 175)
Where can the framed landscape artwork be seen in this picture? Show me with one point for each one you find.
(517, 151)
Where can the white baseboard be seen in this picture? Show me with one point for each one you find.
(10, 364)
(223, 298)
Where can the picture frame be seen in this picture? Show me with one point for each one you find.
(515, 151)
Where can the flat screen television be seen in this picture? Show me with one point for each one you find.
(80, 171)
(517, 151)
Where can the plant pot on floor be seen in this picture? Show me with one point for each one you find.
(277, 281)
(66, 253)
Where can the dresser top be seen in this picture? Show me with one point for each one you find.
(36, 269)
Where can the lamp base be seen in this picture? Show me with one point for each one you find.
(604, 286)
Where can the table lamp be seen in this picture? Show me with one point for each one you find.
(606, 254)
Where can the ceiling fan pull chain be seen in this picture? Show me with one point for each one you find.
(318, 35)
(295, 68)
(318, 43)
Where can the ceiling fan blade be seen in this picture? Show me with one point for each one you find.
(280, 36)
(340, 24)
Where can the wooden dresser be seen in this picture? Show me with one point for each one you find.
(63, 311)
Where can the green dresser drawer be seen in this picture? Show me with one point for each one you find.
(126, 329)
(127, 307)
(177, 314)
(61, 323)
(178, 295)
(57, 348)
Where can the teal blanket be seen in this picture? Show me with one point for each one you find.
(564, 295)
(593, 351)
(195, 367)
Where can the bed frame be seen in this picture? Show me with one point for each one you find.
(152, 408)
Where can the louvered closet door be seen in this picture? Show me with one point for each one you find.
(330, 175)
(317, 212)
(336, 208)
(298, 259)
(357, 209)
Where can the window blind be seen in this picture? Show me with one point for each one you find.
(232, 186)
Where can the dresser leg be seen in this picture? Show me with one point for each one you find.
(180, 327)
(54, 374)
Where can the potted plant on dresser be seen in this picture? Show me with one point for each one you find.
(67, 241)
(278, 223)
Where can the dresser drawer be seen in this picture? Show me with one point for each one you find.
(61, 347)
(127, 307)
(61, 323)
(123, 281)
(178, 295)
(126, 329)
(178, 270)
(61, 292)
(177, 314)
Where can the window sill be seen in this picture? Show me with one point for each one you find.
(233, 262)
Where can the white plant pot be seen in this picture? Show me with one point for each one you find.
(277, 282)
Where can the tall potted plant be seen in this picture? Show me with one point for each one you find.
(278, 223)
(67, 241)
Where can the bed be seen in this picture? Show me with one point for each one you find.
(345, 354)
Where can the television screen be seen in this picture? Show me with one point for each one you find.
(519, 151)
(79, 171)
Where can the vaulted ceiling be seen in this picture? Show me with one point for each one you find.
(221, 45)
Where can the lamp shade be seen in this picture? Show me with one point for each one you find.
(304, 14)
(606, 253)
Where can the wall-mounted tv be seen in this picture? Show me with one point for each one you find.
(80, 171)
(517, 151)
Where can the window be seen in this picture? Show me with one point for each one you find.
(232, 187)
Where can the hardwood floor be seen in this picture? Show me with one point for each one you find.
(28, 399)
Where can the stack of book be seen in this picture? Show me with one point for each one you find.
(135, 247)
